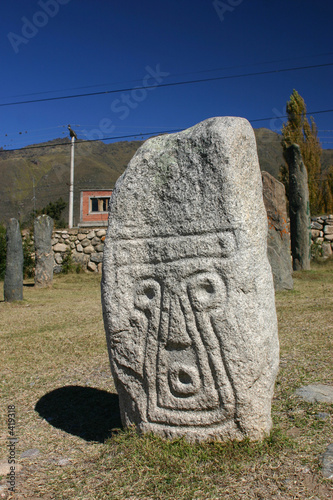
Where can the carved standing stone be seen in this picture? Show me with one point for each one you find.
(278, 239)
(299, 209)
(13, 284)
(44, 262)
(187, 289)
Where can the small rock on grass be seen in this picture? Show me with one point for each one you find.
(316, 393)
(322, 415)
(327, 462)
(32, 452)
(64, 461)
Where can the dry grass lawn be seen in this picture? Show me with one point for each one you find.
(55, 371)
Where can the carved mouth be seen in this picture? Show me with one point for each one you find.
(184, 380)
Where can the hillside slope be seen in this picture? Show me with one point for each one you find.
(97, 166)
(44, 172)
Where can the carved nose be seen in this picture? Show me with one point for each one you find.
(178, 337)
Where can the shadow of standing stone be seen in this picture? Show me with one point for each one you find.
(278, 238)
(13, 284)
(299, 209)
(43, 227)
(92, 414)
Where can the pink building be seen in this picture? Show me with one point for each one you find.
(94, 206)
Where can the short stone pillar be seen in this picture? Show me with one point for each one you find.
(278, 239)
(299, 209)
(187, 289)
(13, 284)
(44, 262)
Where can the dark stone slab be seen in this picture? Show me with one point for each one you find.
(278, 238)
(299, 209)
(43, 227)
(13, 285)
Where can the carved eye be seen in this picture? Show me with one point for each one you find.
(207, 287)
(206, 290)
(149, 292)
(146, 291)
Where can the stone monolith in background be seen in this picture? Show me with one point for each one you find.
(187, 289)
(299, 209)
(278, 239)
(44, 262)
(13, 284)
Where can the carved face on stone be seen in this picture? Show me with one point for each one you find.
(169, 334)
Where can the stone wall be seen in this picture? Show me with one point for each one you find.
(86, 245)
(322, 236)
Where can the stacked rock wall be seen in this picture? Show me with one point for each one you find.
(86, 245)
(322, 235)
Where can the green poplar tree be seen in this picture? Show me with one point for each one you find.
(298, 130)
(327, 192)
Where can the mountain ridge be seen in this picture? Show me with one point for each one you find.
(39, 174)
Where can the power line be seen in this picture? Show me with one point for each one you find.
(179, 74)
(154, 133)
(84, 141)
(286, 116)
(171, 84)
(150, 133)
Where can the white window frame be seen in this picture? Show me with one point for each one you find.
(91, 212)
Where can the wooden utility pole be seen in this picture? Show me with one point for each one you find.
(71, 182)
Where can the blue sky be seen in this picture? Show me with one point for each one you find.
(55, 48)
